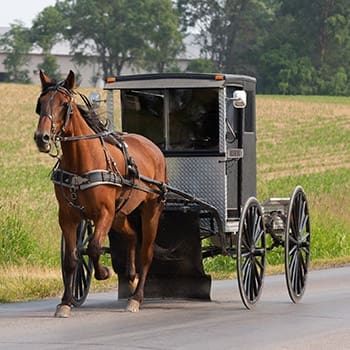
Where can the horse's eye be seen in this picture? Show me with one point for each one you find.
(64, 105)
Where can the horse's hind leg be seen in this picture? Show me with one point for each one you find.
(150, 214)
(122, 225)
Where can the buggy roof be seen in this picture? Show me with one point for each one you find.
(179, 80)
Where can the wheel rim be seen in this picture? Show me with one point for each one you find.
(297, 244)
(83, 271)
(251, 253)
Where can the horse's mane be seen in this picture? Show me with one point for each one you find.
(93, 120)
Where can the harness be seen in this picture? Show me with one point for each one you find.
(82, 182)
(111, 176)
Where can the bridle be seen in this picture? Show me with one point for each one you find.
(56, 137)
(54, 90)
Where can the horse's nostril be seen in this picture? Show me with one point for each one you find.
(46, 138)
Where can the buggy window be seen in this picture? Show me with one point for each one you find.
(175, 119)
(142, 113)
(193, 119)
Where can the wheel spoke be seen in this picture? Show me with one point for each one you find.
(304, 223)
(257, 275)
(255, 223)
(246, 275)
(244, 242)
(303, 262)
(294, 270)
(259, 231)
(293, 249)
(253, 284)
(247, 232)
(245, 266)
(84, 276)
(76, 281)
(306, 238)
(259, 262)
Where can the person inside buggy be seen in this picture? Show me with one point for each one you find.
(191, 117)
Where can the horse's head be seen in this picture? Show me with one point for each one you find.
(54, 108)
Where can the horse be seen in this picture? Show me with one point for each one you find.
(102, 176)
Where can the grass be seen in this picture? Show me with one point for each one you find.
(301, 140)
(24, 283)
(305, 140)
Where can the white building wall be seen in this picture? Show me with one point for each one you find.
(89, 71)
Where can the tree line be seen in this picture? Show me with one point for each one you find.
(291, 46)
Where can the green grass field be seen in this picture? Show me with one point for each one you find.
(301, 140)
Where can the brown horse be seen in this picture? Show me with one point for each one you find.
(98, 178)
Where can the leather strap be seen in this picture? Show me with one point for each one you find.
(87, 180)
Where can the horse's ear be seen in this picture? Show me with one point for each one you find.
(70, 80)
(45, 80)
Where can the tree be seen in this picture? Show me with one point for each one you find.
(120, 32)
(162, 35)
(16, 44)
(231, 32)
(50, 66)
(283, 67)
(319, 32)
(201, 65)
(47, 30)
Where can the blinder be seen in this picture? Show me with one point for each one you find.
(38, 107)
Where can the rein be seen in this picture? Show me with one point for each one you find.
(75, 182)
(83, 137)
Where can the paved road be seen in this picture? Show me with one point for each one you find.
(320, 321)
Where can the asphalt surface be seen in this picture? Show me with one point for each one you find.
(320, 321)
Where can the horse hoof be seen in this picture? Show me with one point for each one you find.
(107, 273)
(62, 311)
(133, 306)
(133, 284)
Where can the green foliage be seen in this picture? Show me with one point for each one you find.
(123, 32)
(230, 32)
(201, 65)
(47, 28)
(14, 241)
(16, 44)
(50, 67)
(18, 220)
(292, 46)
(164, 41)
(312, 37)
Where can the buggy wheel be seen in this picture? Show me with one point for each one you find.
(251, 253)
(83, 271)
(297, 244)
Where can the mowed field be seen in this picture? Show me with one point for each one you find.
(300, 140)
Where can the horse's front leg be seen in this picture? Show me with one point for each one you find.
(68, 268)
(94, 250)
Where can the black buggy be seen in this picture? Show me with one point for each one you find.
(205, 124)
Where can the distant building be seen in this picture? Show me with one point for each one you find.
(91, 73)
